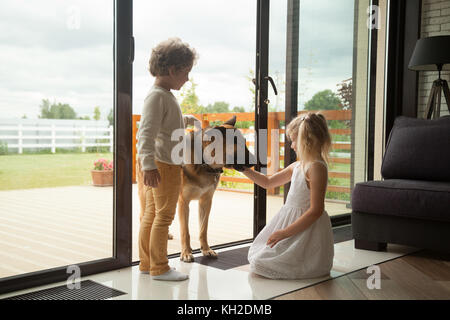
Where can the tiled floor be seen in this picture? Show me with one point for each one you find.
(237, 284)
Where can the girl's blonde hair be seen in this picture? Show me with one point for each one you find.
(312, 134)
(171, 53)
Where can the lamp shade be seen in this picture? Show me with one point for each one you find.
(429, 52)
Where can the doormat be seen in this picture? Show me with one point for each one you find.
(89, 290)
(226, 259)
(238, 257)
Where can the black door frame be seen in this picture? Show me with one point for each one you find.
(121, 255)
(261, 84)
(292, 66)
(404, 30)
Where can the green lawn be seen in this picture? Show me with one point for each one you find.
(28, 171)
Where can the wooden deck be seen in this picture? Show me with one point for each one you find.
(52, 227)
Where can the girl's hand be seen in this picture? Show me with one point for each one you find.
(152, 178)
(276, 237)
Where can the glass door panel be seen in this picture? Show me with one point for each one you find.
(56, 127)
(220, 86)
(325, 70)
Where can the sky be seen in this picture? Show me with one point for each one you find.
(63, 50)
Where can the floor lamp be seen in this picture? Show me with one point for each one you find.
(431, 54)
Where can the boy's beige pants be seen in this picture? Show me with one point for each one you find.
(160, 207)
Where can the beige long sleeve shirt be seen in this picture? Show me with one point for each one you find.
(161, 115)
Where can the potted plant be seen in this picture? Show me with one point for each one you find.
(103, 173)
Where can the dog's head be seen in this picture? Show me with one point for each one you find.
(235, 153)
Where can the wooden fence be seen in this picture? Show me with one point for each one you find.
(274, 157)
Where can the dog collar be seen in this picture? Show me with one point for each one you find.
(211, 170)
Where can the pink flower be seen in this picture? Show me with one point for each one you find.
(103, 164)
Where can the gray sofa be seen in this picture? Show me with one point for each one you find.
(411, 206)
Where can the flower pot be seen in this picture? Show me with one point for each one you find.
(102, 178)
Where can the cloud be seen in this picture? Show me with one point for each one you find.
(222, 32)
(63, 50)
(56, 25)
(48, 59)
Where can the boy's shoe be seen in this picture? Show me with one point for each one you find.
(148, 272)
(171, 275)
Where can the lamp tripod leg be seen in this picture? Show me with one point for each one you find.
(431, 102)
(437, 112)
(446, 94)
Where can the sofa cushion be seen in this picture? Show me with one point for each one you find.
(405, 198)
(418, 149)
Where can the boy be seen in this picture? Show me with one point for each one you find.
(170, 62)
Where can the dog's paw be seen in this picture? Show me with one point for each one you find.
(209, 253)
(170, 236)
(186, 256)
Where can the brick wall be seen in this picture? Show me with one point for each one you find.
(435, 22)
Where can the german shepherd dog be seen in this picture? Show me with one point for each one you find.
(200, 180)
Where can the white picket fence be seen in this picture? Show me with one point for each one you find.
(56, 134)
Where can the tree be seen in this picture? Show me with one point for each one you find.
(97, 113)
(218, 107)
(251, 79)
(64, 111)
(242, 124)
(324, 100)
(327, 100)
(189, 104)
(238, 109)
(45, 109)
(56, 110)
(345, 92)
(111, 117)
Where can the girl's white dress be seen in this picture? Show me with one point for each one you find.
(308, 254)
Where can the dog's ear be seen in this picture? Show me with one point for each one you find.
(231, 122)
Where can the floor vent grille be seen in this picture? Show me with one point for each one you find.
(89, 290)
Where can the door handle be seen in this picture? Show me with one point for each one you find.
(272, 83)
(274, 87)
